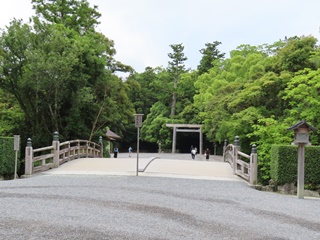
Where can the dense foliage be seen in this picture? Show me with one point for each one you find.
(7, 157)
(57, 73)
(60, 73)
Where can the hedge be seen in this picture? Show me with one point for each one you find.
(284, 164)
(7, 157)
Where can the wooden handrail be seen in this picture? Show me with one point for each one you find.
(243, 155)
(243, 169)
(62, 152)
(42, 149)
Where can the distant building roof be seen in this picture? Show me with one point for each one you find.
(112, 136)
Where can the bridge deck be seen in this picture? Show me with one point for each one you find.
(168, 165)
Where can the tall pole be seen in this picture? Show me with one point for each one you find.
(174, 140)
(300, 185)
(200, 141)
(16, 146)
(138, 141)
(138, 124)
(15, 165)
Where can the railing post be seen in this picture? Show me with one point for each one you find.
(87, 149)
(224, 149)
(101, 146)
(56, 149)
(69, 150)
(235, 153)
(254, 165)
(29, 158)
(79, 152)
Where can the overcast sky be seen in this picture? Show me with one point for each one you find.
(143, 29)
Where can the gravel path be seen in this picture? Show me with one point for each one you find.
(129, 207)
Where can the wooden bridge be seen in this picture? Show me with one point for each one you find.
(90, 161)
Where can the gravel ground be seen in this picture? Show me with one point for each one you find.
(129, 207)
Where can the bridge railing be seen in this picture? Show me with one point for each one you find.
(75, 149)
(248, 169)
(42, 159)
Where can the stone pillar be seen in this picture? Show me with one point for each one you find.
(56, 149)
(235, 153)
(29, 158)
(174, 139)
(101, 146)
(254, 165)
(201, 141)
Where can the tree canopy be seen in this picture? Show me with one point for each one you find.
(60, 72)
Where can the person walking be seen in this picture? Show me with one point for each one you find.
(191, 150)
(115, 152)
(193, 153)
(207, 154)
(130, 151)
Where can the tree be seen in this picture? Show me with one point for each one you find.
(154, 127)
(77, 15)
(11, 116)
(37, 69)
(74, 14)
(62, 80)
(210, 54)
(175, 68)
(296, 54)
(302, 92)
(143, 92)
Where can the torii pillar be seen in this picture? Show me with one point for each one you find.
(185, 128)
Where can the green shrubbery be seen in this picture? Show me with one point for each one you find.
(284, 164)
(7, 157)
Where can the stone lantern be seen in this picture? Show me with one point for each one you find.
(301, 138)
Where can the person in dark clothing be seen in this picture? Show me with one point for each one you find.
(207, 154)
(115, 152)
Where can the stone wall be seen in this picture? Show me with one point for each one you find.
(289, 189)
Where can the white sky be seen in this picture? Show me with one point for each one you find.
(144, 29)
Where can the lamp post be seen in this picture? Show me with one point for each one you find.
(16, 146)
(214, 148)
(138, 124)
(301, 138)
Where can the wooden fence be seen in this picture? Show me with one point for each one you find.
(42, 159)
(246, 169)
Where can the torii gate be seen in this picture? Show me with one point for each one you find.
(186, 128)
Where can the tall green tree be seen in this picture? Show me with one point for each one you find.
(74, 14)
(41, 76)
(176, 67)
(79, 16)
(63, 79)
(210, 54)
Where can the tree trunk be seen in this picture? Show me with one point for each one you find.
(174, 96)
(173, 105)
